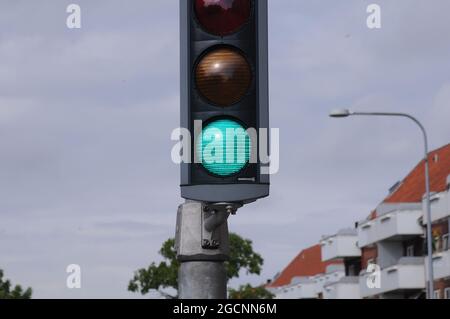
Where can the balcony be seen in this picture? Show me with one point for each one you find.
(325, 279)
(407, 274)
(307, 287)
(440, 207)
(341, 245)
(303, 289)
(441, 265)
(394, 222)
(346, 288)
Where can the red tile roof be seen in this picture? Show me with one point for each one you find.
(412, 188)
(307, 263)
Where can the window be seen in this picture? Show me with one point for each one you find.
(437, 294)
(447, 293)
(445, 242)
(410, 251)
(437, 244)
(352, 270)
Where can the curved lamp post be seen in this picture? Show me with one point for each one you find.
(343, 113)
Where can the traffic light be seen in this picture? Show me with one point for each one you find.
(224, 99)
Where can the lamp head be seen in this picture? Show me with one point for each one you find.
(340, 113)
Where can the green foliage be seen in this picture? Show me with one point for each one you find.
(242, 257)
(249, 292)
(8, 292)
(159, 276)
(165, 274)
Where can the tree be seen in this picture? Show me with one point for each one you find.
(8, 292)
(249, 292)
(165, 274)
(155, 277)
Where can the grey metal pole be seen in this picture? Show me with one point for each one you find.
(202, 243)
(430, 286)
(429, 222)
(202, 280)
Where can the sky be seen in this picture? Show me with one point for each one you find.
(86, 116)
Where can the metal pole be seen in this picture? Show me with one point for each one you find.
(202, 280)
(202, 243)
(429, 222)
(430, 286)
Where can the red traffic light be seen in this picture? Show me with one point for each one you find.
(223, 17)
(223, 76)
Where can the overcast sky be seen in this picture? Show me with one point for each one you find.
(86, 116)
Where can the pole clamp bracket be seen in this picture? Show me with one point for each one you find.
(213, 217)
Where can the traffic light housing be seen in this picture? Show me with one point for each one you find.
(224, 84)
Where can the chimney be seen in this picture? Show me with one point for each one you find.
(436, 158)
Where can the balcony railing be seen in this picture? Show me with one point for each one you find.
(304, 290)
(346, 288)
(341, 245)
(322, 280)
(407, 274)
(307, 287)
(394, 222)
(441, 265)
(440, 207)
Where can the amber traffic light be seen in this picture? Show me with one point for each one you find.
(223, 76)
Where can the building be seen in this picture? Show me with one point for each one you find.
(393, 237)
(306, 276)
(384, 256)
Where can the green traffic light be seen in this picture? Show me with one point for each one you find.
(224, 147)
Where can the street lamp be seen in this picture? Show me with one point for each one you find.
(343, 113)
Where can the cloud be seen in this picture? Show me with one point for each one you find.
(86, 117)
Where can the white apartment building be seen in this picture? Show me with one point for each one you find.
(384, 256)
